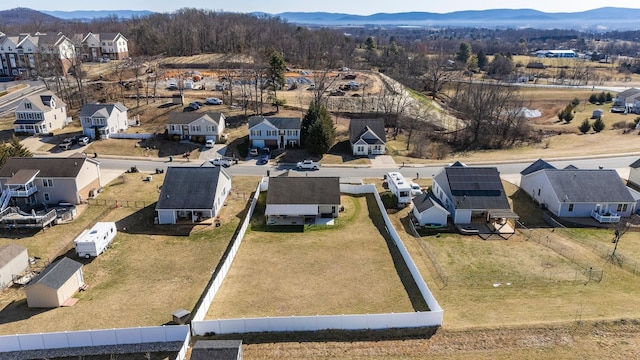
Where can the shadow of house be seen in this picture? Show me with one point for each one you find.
(17, 310)
(530, 213)
(141, 222)
(343, 149)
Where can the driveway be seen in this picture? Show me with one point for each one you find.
(211, 153)
(382, 160)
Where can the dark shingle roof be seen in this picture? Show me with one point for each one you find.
(635, 164)
(426, 201)
(628, 92)
(9, 252)
(56, 274)
(189, 117)
(278, 122)
(535, 166)
(304, 190)
(50, 167)
(90, 109)
(190, 188)
(357, 127)
(476, 188)
(216, 349)
(584, 186)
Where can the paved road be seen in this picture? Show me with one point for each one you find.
(249, 168)
(10, 101)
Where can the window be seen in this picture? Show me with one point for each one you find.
(46, 197)
(360, 148)
(624, 207)
(619, 207)
(272, 132)
(256, 133)
(570, 207)
(196, 128)
(47, 182)
(27, 105)
(211, 128)
(292, 132)
(538, 192)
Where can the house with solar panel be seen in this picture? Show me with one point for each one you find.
(578, 193)
(475, 195)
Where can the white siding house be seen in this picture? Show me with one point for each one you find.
(274, 132)
(634, 172)
(103, 118)
(42, 113)
(299, 200)
(428, 211)
(193, 125)
(367, 136)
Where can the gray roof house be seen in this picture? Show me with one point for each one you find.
(40, 113)
(472, 192)
(274, 132)
(187, 125)
(297, 200)
(634, 172)
(367, 136)
(428, 210)
(55, 285)
(217, 349)
(572, 192)
(104, 118)
(192, 193)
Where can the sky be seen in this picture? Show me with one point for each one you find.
(359, 7)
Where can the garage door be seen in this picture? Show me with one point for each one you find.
(258, 143)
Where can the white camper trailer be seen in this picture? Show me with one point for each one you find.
(400, 187)
(93, 242)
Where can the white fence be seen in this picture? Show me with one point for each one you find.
(73, 339)
(214, 286)
(434, 317)
(137, 136)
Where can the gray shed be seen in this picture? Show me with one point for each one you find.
(13, 262)
(596, 113)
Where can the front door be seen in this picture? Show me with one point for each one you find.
(281, 144)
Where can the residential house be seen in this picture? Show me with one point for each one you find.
(192, 193)
(274, 132)
(112, 46)
(48, 180)
(194, 125)
(13, 262)
(37, 54)
(367, 136)
(556, 53)
(105, 119)
(428, 211)
(571, 192)
(473, 194)
(40, 113)
(217, 349)
(298, 200)
(634, 172)
(629, 99)
(55, 285)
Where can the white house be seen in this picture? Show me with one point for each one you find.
(428, 211)
(470, 193)
(571, 192)
(106, 119)
(41, 113)
(104, 45)
(36, 54)
(634, 172)
(274, 132)
(298, 200)
(194, 125)
(367, 136)
(192, 193)
(629, 99)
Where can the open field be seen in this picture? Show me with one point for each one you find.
(149, 272)
(283, 271)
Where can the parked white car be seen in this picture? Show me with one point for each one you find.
(209, 143)
(308, 165)
(415, 189)
(213, 101)
(222, 161)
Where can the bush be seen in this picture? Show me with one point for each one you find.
(593, 98)
(598, 125)
(585, 126)
(389, 200)
(175, 137)
(575, 102)
(622, 125)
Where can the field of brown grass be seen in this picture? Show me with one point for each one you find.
(318, 271)
(150, 270)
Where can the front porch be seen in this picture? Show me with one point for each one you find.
(605, 218)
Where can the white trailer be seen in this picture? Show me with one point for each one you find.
(400, 187)
(94, 241)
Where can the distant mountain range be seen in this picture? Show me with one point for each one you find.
(602, 19)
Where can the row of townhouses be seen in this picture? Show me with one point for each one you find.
(30, 54)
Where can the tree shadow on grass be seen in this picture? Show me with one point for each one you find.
(410, 286)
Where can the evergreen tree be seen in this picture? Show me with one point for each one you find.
(602, 98)
(317, 140)
(593, 98)
(585, 126)
(483, 62)
(275, 75)
(13, 148)
(319, 132)
(598, 125)
(464, 53)
(370, 43)
(608, 97)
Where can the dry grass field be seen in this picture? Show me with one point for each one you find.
(284, 271)
(149, 272)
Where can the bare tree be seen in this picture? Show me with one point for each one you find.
(437, 72)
